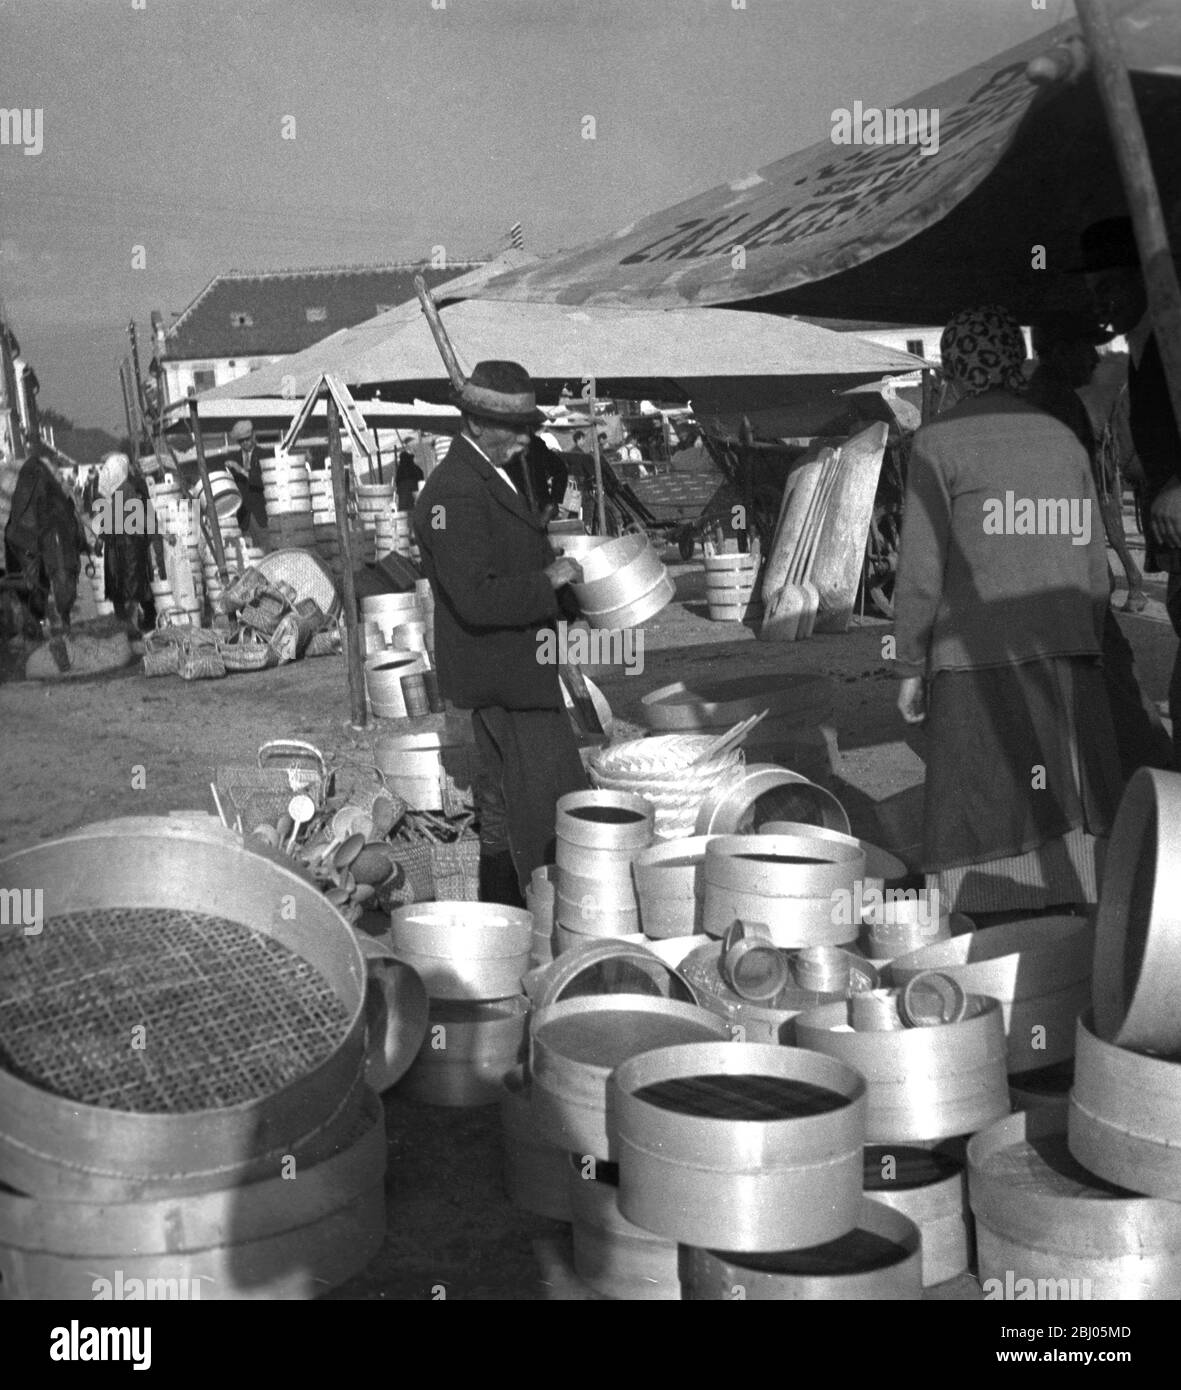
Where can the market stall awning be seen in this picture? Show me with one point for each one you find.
(217, 410)
(721, 359)
(904, 232)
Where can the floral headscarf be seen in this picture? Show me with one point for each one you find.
(983, 350)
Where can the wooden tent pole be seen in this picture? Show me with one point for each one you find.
(357, 704)
(1131, 152)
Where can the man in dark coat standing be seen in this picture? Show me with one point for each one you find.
(495, 582)
(247, 471)
(1111, 263)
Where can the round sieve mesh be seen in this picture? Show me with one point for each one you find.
(228, 1015)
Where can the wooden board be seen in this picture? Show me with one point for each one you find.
(801, 483)
(840, 550)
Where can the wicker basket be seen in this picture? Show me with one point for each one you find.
(455, 870)
(199, 661)
(240, 653)
(264, 613)
(415, 858)
(325, 643)
(285, 766)
(160, 661)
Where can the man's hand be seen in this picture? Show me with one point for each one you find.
(1166, 516)
(564, 570)
(235, 467)
(912, 703)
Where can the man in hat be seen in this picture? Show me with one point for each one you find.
(495, 583)
(1111, 264)
(247, 469)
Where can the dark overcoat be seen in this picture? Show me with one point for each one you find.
(484, 551)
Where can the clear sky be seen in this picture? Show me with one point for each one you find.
(414, 126)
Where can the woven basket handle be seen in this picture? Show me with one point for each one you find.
(279, 747)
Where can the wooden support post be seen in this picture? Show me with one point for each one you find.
(600, 495)
(358, 710)
(132, 437)
(1131, 152)
(927, 409)
(211, 517)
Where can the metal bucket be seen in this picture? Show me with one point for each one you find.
(536, 1175)
(1125, 1116)
(624, 583)
(795, 884)
(394, 684)
(389, 611)
(768, 793)
(1041, 1217)
(880, 1259)
(464, 950)
(417, 766)
(931, 1188)
(599, 833)
(611, 1256)
(271, 1239)
(468, 1050)
(670, 887)
(576, 1044)
(761, 1152)
(55, 1142)
(227, 500)
(1039, 970)
(924, 1083)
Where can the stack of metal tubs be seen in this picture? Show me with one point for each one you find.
(1088, 1205)
(471, 957)
(183, 1027)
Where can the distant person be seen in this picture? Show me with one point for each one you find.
(126, 548)
(407, 477)
(1066, 361)
(44, 541)
(247, 469)
(548, 475)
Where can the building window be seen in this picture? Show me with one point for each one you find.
(241, 321)
(385, 308)
(915, 347)
(316, 315)
(204, 379)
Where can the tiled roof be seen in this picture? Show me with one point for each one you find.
(265, 313)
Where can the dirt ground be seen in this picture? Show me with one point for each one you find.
(72, 751)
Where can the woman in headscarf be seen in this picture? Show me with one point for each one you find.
(1000, 597)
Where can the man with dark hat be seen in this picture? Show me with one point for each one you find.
(495, 580)
(1111, 264)
(247, 470)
